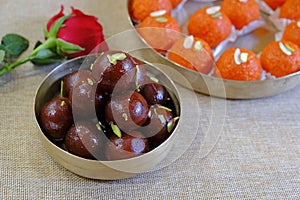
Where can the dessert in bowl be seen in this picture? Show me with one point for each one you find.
(107, 116)
(252, 34)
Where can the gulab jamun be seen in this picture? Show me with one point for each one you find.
(159, 125)
(128, 111)
(71, 79)
(154, 93)
(56, 117)
(82, 97)
(85, 140)
(118, 68)
(126, 146)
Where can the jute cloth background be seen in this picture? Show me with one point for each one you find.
(256, 155)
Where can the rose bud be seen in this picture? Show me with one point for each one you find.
(79, 34)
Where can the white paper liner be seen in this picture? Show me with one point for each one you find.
(266, 76)
(231, 38)
(179, 6)
(251, 27)
(279, 23)
(278, 35)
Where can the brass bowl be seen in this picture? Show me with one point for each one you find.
(217, 87)
(97, 169)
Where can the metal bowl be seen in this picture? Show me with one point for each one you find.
(97, 169)
(218, 87)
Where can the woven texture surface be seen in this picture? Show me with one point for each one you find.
(256, 155)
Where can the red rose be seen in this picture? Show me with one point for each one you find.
(68, 36)
(81, 30)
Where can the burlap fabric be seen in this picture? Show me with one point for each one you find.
(256, 155)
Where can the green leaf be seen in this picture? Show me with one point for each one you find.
(67, 47)
(45, 61)
(45, 56)
(2, 55)
(14, 44)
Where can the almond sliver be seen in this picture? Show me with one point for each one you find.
(212, 10)
(188, 42)
(236, 55)
(158, 13)
(284, 49)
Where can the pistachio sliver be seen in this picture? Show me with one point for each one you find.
(216, 15)
(98, 126)
(289, 48)
(171, 124)
(198, 45)
(61, 89)
(90, 82)
(165, 108)
(63, 103)
(286, 49)
(115, 57)
(137, 74)
(116, 130)
(161, 19)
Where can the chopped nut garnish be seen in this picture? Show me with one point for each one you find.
(188, 42)
(213, 10)
(240, 57)
(286, 49)
(161, 19)
(198, 45)
(158, 13)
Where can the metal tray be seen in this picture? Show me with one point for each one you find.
(231, 89)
